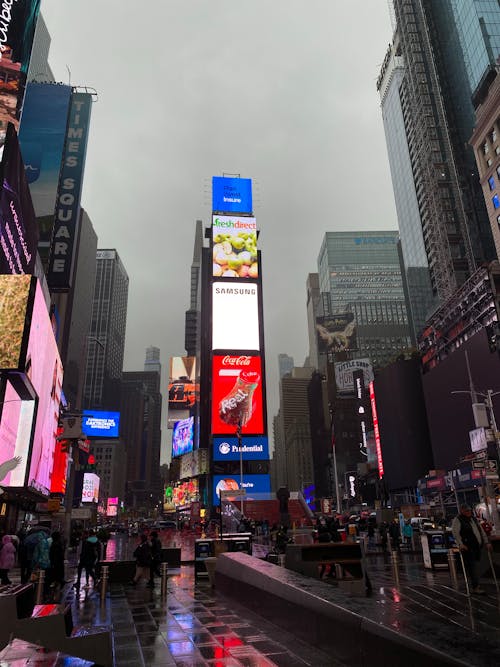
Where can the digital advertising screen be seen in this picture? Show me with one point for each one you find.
(253, 448)
(235, 316)
(42, 135)
(59, 469)
(251, 483)
(231, 195)
(237, 395)
(344, 374)
(16, 427)
(185, 493)
(101, 424)
(18, 22)
(18, 228)
(234, 248)
(15, 291)
(44, 371)
(183, 437)
(336, 333)
(183, 388)
(90, 489)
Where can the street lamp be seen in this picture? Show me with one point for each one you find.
(334, 459)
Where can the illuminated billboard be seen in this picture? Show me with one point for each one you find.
(59, 468)
(183, 388)
(336, 333)
(100, 424)
(15, 291)
(378, 444)
(234, 247)
(42, 136)
(237, 394)
(90, 489)
(185, 493)
(18, 228)
(194, 464)
(183, 437)
(235, 316)
(254, 448)
(67, 213)
(44, 370)
(345, 369)
(252, 484)
(231, 195)
(17, 30)
(16, 427)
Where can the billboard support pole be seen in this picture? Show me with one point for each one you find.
(238, 435)
(334, 458)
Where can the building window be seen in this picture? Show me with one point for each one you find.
(497, 150)
(489, 162)
(496, 201)
(486, 149)
(498, 171)
(491, 182)
(493, 136)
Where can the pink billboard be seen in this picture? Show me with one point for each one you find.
(16, 423)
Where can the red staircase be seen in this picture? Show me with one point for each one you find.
(269, 509)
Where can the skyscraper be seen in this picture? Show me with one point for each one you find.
(433, 67)
(192, 321)
(285, 364)
(152, 362)
(360, 276)
(106, 340)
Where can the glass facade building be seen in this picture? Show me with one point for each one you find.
(360, 273)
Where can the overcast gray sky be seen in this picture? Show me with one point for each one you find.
(280, 91)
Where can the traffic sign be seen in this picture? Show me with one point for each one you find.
(479, 465)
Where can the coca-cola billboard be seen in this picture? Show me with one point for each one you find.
(237, 395)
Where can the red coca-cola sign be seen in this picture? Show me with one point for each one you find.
(237, 395)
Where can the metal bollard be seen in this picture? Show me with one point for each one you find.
(339, 572)
(163, 574)
(395, 568)
(40, 586)
(453, 568)
(104, 582)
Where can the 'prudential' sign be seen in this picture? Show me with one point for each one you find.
(252, 449)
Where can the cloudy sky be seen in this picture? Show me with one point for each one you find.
(280, 91)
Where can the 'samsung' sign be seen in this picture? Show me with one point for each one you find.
(252, 449)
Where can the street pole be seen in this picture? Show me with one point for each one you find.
(238, 435)
(490, 493)
(334, 458)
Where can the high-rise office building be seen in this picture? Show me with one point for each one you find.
(313, 306)
(152, 361)
(192, 321)
(106, 340)
(285, 364)
(432, 67)
(39, 68)
(360, 277)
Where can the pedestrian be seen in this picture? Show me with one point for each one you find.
(470, 539)
(56, 555)
(103, 537)
(154, 568)
(395, 534)
(408, 534)
(7, 559)
(89, 556)
(142, 556)
(383, 536)
(371, 534)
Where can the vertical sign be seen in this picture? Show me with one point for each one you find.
(359, 389)
(376, 430)
(67, 212)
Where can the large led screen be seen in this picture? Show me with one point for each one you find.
(254, 448)
(234, 247)
(42, 135)
(344, 371)
(16, 425)
(17, 30)
(237, 395)
(252, 484)
(18, 228)
(44, 370)
(183, 388)
(183, 437)
(336, 333)
(185, 493)
(90, 489)
(14, 294)
(101, 424)
(231, 195)
(60, 467)
(235, 316)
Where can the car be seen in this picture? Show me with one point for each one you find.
(421, 523)
(167, 525)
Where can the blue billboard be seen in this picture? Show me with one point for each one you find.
(231, 195)
(253, 448)
(183, 437)
(252, 484)
(100, 424)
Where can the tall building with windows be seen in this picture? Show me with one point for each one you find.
(426, 84)
(106, 339)
(285, 364)
(360, 274)
(152, 362)
(193, 315)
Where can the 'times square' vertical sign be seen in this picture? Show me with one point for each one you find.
(67, 213)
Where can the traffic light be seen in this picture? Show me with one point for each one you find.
(493, 334)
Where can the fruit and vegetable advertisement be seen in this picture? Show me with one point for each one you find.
(237, 395)
(235, 316)
(234, 247)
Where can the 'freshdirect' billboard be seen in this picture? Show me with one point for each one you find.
(101, 424)
(234, 248)
(237, 394)
(18, 228)
(231, 195)
(252, 484)
(254, 448)
(235, 316)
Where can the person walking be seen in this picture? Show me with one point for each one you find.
(470, 539)
(56, 555)
(7, 559)
(142, 556)
(89, 556)
(154, 567)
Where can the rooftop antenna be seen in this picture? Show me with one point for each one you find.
(69, 75)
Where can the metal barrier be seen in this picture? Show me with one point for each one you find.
(493, 570)
(453, 568)
(104, 582)
(163, 574)
(395, 567)
(40, 586)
